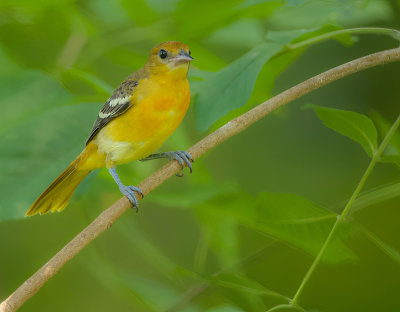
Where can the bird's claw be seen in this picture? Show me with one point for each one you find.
(129, 191)
(137, 190)
(182, 157)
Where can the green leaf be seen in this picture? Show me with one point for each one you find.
(243, 283)
(149, 250)
(25, 94)
(390, 251)
(224, 308)
(37, 151)
(148, 294)
(295, 2)
(156, 295)
(189, 15)
(392, 152)
(301, 223)
(84, 80)
(231, 87)
(288, 218)
(356, 126)
(394, 159)
(326, 32)
(222, 232)
(374, 196)
(41, 45)
(287, 36)
(190, 195)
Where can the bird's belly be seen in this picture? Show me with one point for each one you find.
(143, 128)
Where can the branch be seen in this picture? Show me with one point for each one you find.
(233, 127)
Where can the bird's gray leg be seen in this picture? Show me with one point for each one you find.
(181, 156)
(128, 191)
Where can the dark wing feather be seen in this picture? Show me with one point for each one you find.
(116, 105)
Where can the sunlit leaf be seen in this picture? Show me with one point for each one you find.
(356, 126)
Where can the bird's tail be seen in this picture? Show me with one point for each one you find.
(57, 196)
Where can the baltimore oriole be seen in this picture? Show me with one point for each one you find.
(136, 120)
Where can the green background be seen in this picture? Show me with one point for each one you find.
(243, 229)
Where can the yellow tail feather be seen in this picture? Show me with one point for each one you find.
(57, 196)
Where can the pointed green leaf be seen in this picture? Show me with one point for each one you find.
(231, 87)
(392, 152)
(356, 126)
(374, 196)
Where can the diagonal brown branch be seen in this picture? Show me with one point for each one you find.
(235, 126)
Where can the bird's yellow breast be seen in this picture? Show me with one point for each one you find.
(159, 106)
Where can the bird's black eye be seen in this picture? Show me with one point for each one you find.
(163, 54)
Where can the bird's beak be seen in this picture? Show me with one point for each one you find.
(183, 57)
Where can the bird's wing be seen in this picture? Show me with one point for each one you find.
(119, 102)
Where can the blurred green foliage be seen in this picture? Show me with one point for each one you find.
(241, 231)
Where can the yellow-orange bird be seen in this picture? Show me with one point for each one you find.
(136, 120)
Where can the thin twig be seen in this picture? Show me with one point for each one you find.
(340, 218)
(235, 126)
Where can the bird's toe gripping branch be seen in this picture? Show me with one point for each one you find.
(182, 157)
(128, 191)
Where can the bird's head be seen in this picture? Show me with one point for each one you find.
(169, 57)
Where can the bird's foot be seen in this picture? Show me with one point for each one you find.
(129, 191)
(182, 157)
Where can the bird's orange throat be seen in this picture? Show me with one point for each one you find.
(170, 72)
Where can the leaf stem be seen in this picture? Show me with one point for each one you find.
(361, 30)
(342, 216)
